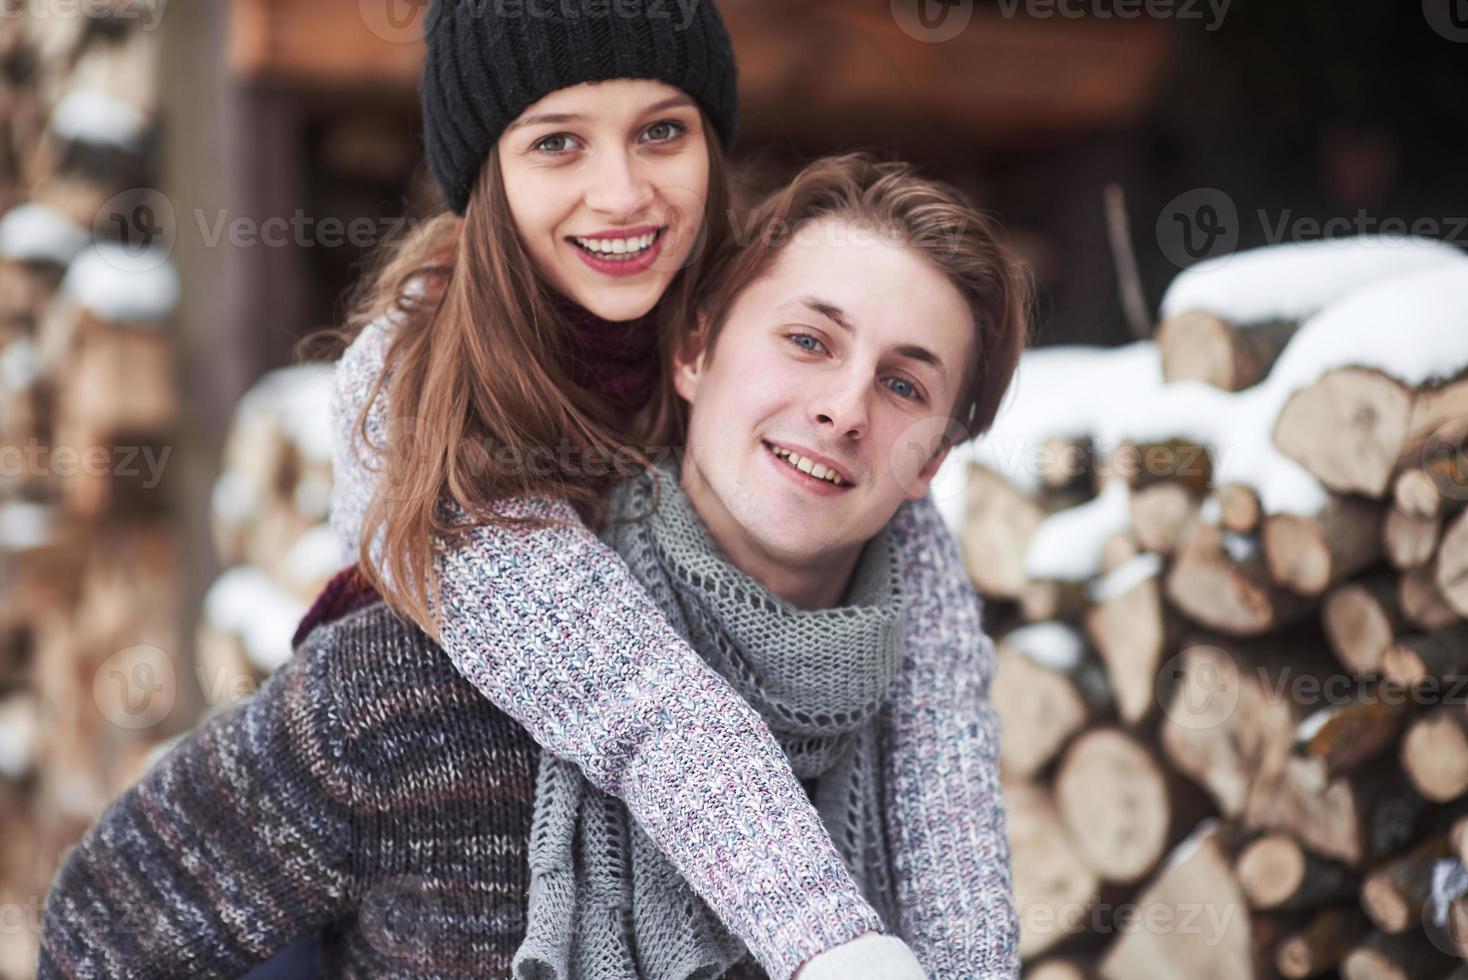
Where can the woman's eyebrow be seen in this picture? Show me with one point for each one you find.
(540, 118)
(671, 102)
(561, 118)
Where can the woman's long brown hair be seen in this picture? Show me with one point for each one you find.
(479, 385)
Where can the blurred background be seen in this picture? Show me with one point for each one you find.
(188, 189)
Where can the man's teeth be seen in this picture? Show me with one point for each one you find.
(815, 469)
(617, 248)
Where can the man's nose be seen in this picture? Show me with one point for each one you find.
(840, 409)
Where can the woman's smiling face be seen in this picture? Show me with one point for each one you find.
(606, 182)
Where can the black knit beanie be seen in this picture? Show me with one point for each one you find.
(489, 60)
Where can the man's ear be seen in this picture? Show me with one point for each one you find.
(688, 361)
(930, 469)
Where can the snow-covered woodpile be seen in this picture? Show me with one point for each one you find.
(268, 516)
(1228, 575)
(89, 423)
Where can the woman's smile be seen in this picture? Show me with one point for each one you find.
(624, 253)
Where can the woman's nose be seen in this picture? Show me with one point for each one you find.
(618, 189)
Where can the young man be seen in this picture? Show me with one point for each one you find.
(370, 793)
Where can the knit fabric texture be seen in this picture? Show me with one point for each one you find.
(366, 792)
(346, 591)
(616, 360)
(552, 626)
(487, 61)
(605, 903)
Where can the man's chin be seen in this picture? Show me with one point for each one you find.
(797, 542)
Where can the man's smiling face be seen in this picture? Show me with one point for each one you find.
(828, 374)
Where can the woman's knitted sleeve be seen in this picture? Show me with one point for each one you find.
(946, 812)
(235, 844)
(551, 626)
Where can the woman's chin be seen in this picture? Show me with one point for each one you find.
(619, 303)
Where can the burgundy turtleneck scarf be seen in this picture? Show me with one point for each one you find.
(617, 360)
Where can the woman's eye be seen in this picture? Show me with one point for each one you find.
(806, 342)
(559, 143)
(663, 132)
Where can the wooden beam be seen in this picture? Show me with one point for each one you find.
(832, 64)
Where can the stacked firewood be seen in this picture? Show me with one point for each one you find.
(90, 681)
(1228, 574)
(269, 521)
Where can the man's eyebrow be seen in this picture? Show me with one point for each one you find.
(837, 315)
(830, 311)
(560, 118)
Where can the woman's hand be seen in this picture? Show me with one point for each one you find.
(871, 955)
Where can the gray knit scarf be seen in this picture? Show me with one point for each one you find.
(605, 904)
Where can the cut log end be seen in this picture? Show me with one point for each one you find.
(1270, 870)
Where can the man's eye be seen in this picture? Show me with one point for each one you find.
(903, 388)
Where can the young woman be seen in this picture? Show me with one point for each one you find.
(504, 359)
(368, 793)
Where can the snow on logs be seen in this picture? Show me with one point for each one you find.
(1228, 575)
